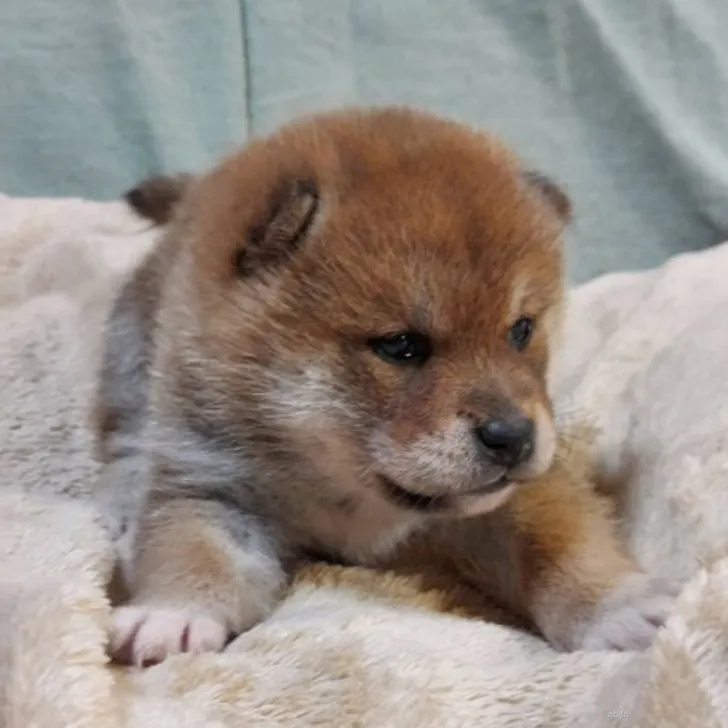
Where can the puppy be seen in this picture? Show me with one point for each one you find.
(340, 347)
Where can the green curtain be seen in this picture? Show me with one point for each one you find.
(624, 102)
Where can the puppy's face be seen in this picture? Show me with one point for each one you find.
(382, 289)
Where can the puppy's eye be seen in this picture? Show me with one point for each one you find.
(404, 347)
(521, 332)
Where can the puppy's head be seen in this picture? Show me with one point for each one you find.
(382, 289)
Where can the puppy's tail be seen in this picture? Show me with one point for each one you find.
(156, 198)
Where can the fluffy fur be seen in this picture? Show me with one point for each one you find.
(247, 422)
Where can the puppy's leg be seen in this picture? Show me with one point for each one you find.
(202, 571)
(553, 556)
(197, 568)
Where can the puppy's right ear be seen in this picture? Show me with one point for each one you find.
(156, 198)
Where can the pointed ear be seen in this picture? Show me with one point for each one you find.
(156, 198)
(551, 193)
(291, 210)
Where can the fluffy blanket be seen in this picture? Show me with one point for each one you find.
(645, 365)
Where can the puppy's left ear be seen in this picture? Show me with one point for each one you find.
(551, 193)
(156, 198)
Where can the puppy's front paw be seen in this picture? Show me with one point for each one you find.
(145, 635)
(630, 615)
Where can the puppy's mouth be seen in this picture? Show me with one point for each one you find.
(434, 503)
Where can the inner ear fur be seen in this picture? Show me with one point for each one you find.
(551, 193)
(292, 209)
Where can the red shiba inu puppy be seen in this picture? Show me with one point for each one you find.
(340, 346)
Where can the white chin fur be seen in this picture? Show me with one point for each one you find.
(475, 505)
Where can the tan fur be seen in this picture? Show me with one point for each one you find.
(239, 369)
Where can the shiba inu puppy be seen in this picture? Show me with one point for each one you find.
(340, 346)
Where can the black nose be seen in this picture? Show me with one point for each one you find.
(508, 441)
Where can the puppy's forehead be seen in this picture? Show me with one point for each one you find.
(442, 231)
(417, 215)
(395, 167)
(432, 188)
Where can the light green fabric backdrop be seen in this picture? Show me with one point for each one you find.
(624, 102)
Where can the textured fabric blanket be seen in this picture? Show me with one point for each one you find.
(645, 367)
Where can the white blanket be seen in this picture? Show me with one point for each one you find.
(646, 364)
